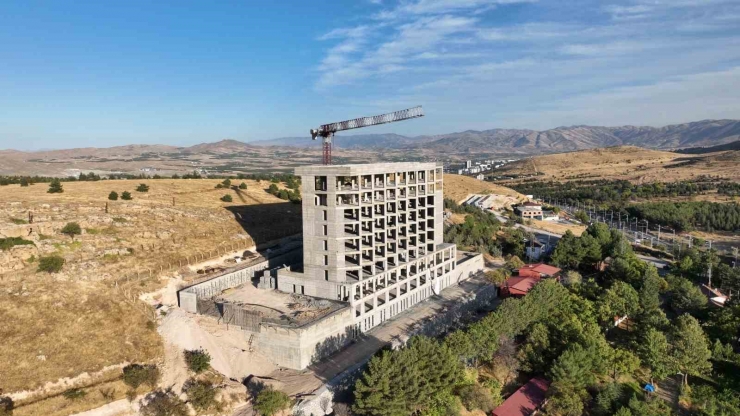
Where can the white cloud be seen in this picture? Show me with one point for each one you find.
(467, 65)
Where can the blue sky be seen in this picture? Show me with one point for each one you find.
(92, 73)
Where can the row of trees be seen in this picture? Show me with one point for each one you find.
(686, 216)
(618, 193)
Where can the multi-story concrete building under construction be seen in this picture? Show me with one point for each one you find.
(371, 249)
(372, 236)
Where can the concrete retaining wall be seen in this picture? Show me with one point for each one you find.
(188, 297)
(297, 348)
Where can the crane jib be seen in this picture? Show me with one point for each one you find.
(371, 121)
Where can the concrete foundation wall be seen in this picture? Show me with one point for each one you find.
(188, 297)
(297, 348)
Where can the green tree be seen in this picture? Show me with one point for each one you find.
(226, 183)
(474, 396)
(226, 198)
(273, 189)
(498, 276)
(55, 187)
(270, 401)
(113, 196)
(624, 362)
(619, 300)
(416, 373)
(567, 252)
(654, 351)
(242, 185)
(534, 352)
(650, 290)
(24, 181)
(201, 394)
(571, 277)
(565, 403)
(685, 296)
(690, 347)
(126, 196)
(197, 360)
(163, 403)
(72, 229)
(608, 398)
(134, 375)
(573, 370)
(142, 188)
(623, 411)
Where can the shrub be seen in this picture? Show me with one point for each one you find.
(270, 401)
(51, 264)
(226, 198)
(474, 397)
(55, 187)
(134, 375)
(219, 186)
(113, 196)
(72, 229)
(164, 403)
(197, 360)
(126, 196)
(201, 394)
(74, 394)
(7, 243)
(6, 406)
(226, 183)
(242, 185)
(24, 181)
(142, 188)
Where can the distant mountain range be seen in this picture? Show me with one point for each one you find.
(560, 139)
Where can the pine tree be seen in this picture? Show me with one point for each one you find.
(690, 347)
(55, 187)
(654, 352)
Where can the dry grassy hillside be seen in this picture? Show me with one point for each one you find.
(82, 319)
(628, 163)
(458, 188)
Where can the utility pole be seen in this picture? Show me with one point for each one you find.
(735, 251)
(30, 217)
(106, 207)
(709, 274)
(658, 232)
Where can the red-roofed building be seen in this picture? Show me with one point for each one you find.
(525, 401)
(538, 270)
(518, 286)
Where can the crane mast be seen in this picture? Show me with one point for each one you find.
(326, 131)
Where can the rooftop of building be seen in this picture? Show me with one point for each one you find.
(276, 307)
(520, 285)
(365, 168)
(526, 400)
(541, 268)
(531, 204)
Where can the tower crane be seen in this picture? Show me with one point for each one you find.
(326, 131)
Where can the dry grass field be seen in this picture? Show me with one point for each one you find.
(557, 228)
(459, 187)
(85, 318)
(627, 163)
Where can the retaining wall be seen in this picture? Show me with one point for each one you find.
(188, 297)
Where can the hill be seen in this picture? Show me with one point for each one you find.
(628, 163)
(711, 149)
(523, 141)
(458, 188)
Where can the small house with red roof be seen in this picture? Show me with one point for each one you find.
(538, 270)
(527, 276)
(525, 401)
